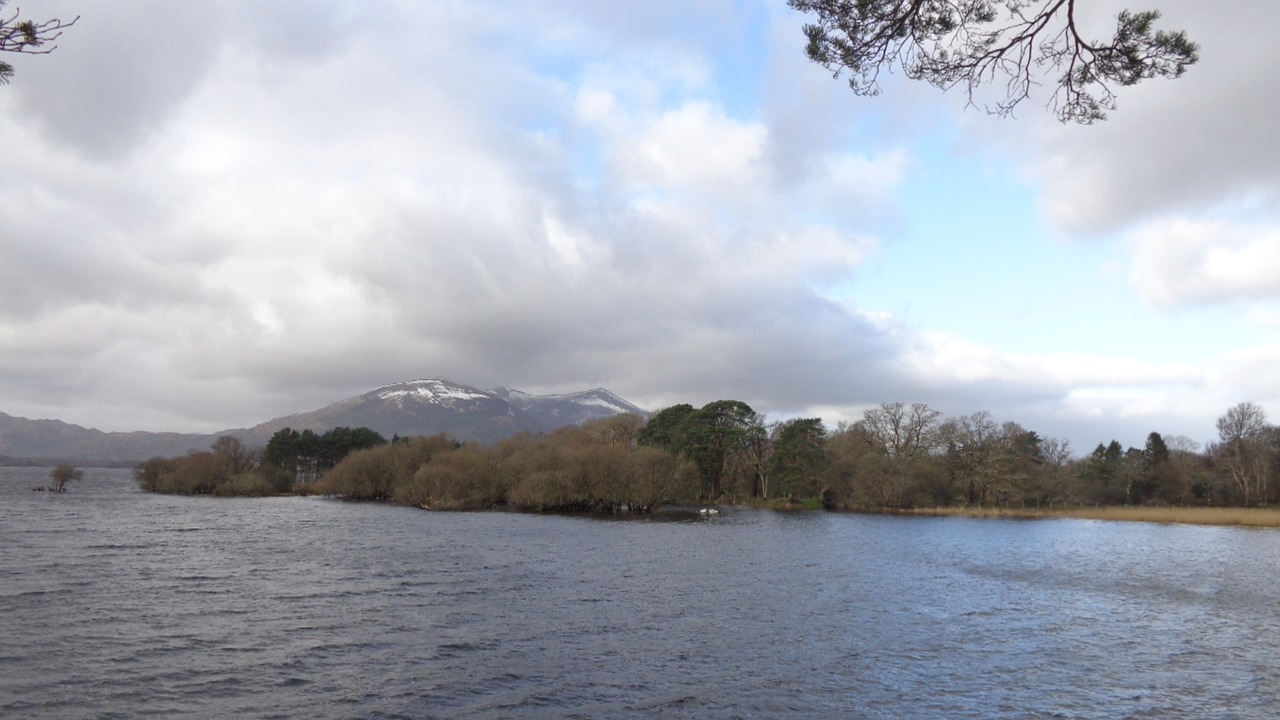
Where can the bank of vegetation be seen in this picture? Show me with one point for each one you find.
(594, 467)
(897, 457)
(291, 460)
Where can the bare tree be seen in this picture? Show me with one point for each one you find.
(902, 431)
(27, 37)
(233, 457)
(981, 455)
(901, 436)
(1056, 452)
(1187, 464)
(1054, 455)
(1243, 451)
(971, 43)
(1241, 422)
(63, 474)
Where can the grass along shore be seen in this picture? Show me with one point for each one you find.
(1244, 517)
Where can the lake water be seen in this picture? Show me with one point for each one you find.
(120, 604)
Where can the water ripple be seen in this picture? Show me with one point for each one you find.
(117, 603)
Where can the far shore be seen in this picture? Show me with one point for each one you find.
(1265, 517)
(1227, 516)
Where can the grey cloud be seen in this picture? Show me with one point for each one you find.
(117, 74)
(123, 70)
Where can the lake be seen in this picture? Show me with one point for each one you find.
(116, 603)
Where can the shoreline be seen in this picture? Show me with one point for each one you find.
(1208, 516)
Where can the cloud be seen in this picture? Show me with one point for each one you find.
(116, 75)
(1174, 147)
(299, 218)
(1183, 262)
(949, 360)
(695, 148)
(1085, 397)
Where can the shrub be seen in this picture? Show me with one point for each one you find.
(377, 473)
(244, 485)
(151, 475)
(551, 490)
(462, 478)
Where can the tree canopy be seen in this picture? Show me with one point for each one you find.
(713, 435)
(971, 43)
(28, 37)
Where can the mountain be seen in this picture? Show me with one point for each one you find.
(427, 407)
(36, 440)
(419, 407)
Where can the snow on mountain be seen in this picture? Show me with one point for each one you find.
(431, 406)
(585, 405)
(439, 392)
(604, 399)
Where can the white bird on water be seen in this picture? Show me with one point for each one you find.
(709, 511)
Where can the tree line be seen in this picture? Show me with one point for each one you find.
(597, 466)
(907, 456)
(896, 456)
(290, 460)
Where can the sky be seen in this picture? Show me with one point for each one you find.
(217, 212)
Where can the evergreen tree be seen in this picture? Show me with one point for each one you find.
(799, 457)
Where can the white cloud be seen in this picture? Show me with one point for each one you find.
(695, 148)
(1249, 374)
(1183, 262)
(946, 359)
(859, 175)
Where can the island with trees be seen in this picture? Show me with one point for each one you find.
(60, 477)
(896, 458)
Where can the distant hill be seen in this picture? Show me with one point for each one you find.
(24, 441)
(419, 407)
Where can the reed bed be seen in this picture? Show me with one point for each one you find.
(1244, 517)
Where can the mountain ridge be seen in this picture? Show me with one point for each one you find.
(414, 407)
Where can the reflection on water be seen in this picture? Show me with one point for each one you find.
(117, 603)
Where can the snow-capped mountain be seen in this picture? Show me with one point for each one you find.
(418, 407)
(427, 407)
